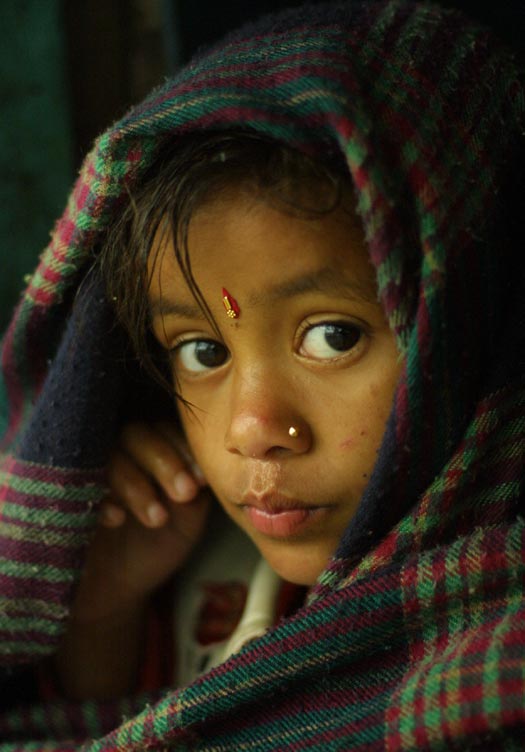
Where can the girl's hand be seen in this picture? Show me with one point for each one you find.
(148, 526)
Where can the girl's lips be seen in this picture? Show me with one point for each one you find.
(280, 518)
(283, 524)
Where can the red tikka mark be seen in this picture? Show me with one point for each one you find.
(230, 304)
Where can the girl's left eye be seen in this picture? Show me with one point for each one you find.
(200, 355)
(330, 340)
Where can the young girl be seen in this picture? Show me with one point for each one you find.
(309, 243)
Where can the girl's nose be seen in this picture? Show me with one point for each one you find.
(263, 424)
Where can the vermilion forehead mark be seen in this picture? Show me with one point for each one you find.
(230, 304)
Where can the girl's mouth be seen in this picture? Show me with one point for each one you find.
(280, 517)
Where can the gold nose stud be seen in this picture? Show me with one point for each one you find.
(293, 432)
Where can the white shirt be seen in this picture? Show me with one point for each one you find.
(226, 581)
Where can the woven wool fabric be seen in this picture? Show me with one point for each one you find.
(414, 636)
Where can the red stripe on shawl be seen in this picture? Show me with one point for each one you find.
(53, 276)
(29, 499)
(266, 81)
(387, 548)
(82, 194)
(49, 551)
(33, 636)
(218, 77)
(134, 155)
(198, 89)
(65, 229)
(78, 478)
(43, 298)
(41, 295)
(360, 174)
(83, 186)
(213, 75)
(340, 626)
(17, 587)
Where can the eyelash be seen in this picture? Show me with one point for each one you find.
(178, 348)
(343, 325)
(339, 328)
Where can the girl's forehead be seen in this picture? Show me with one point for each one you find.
(252, 233)
(265, 255)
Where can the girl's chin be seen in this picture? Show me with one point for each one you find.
(301, 564)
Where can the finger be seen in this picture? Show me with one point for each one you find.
(111, 514)
(174, 436)
(188, 520)
(155, 455)
(132, 487)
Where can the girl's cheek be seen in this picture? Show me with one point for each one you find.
(354, 440)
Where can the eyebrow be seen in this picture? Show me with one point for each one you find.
(163, 307)
(325, 280)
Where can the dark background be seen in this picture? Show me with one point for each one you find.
(68, 68)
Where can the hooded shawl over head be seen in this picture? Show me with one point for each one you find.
(414, 636)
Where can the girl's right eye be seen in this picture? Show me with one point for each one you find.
(200, 355)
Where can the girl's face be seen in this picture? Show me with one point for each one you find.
(289, 403)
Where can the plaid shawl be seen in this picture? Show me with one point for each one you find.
(414, 636)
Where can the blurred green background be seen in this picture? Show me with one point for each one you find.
(36, 164)
(68, 68)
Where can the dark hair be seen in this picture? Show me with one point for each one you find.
(185, 174)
